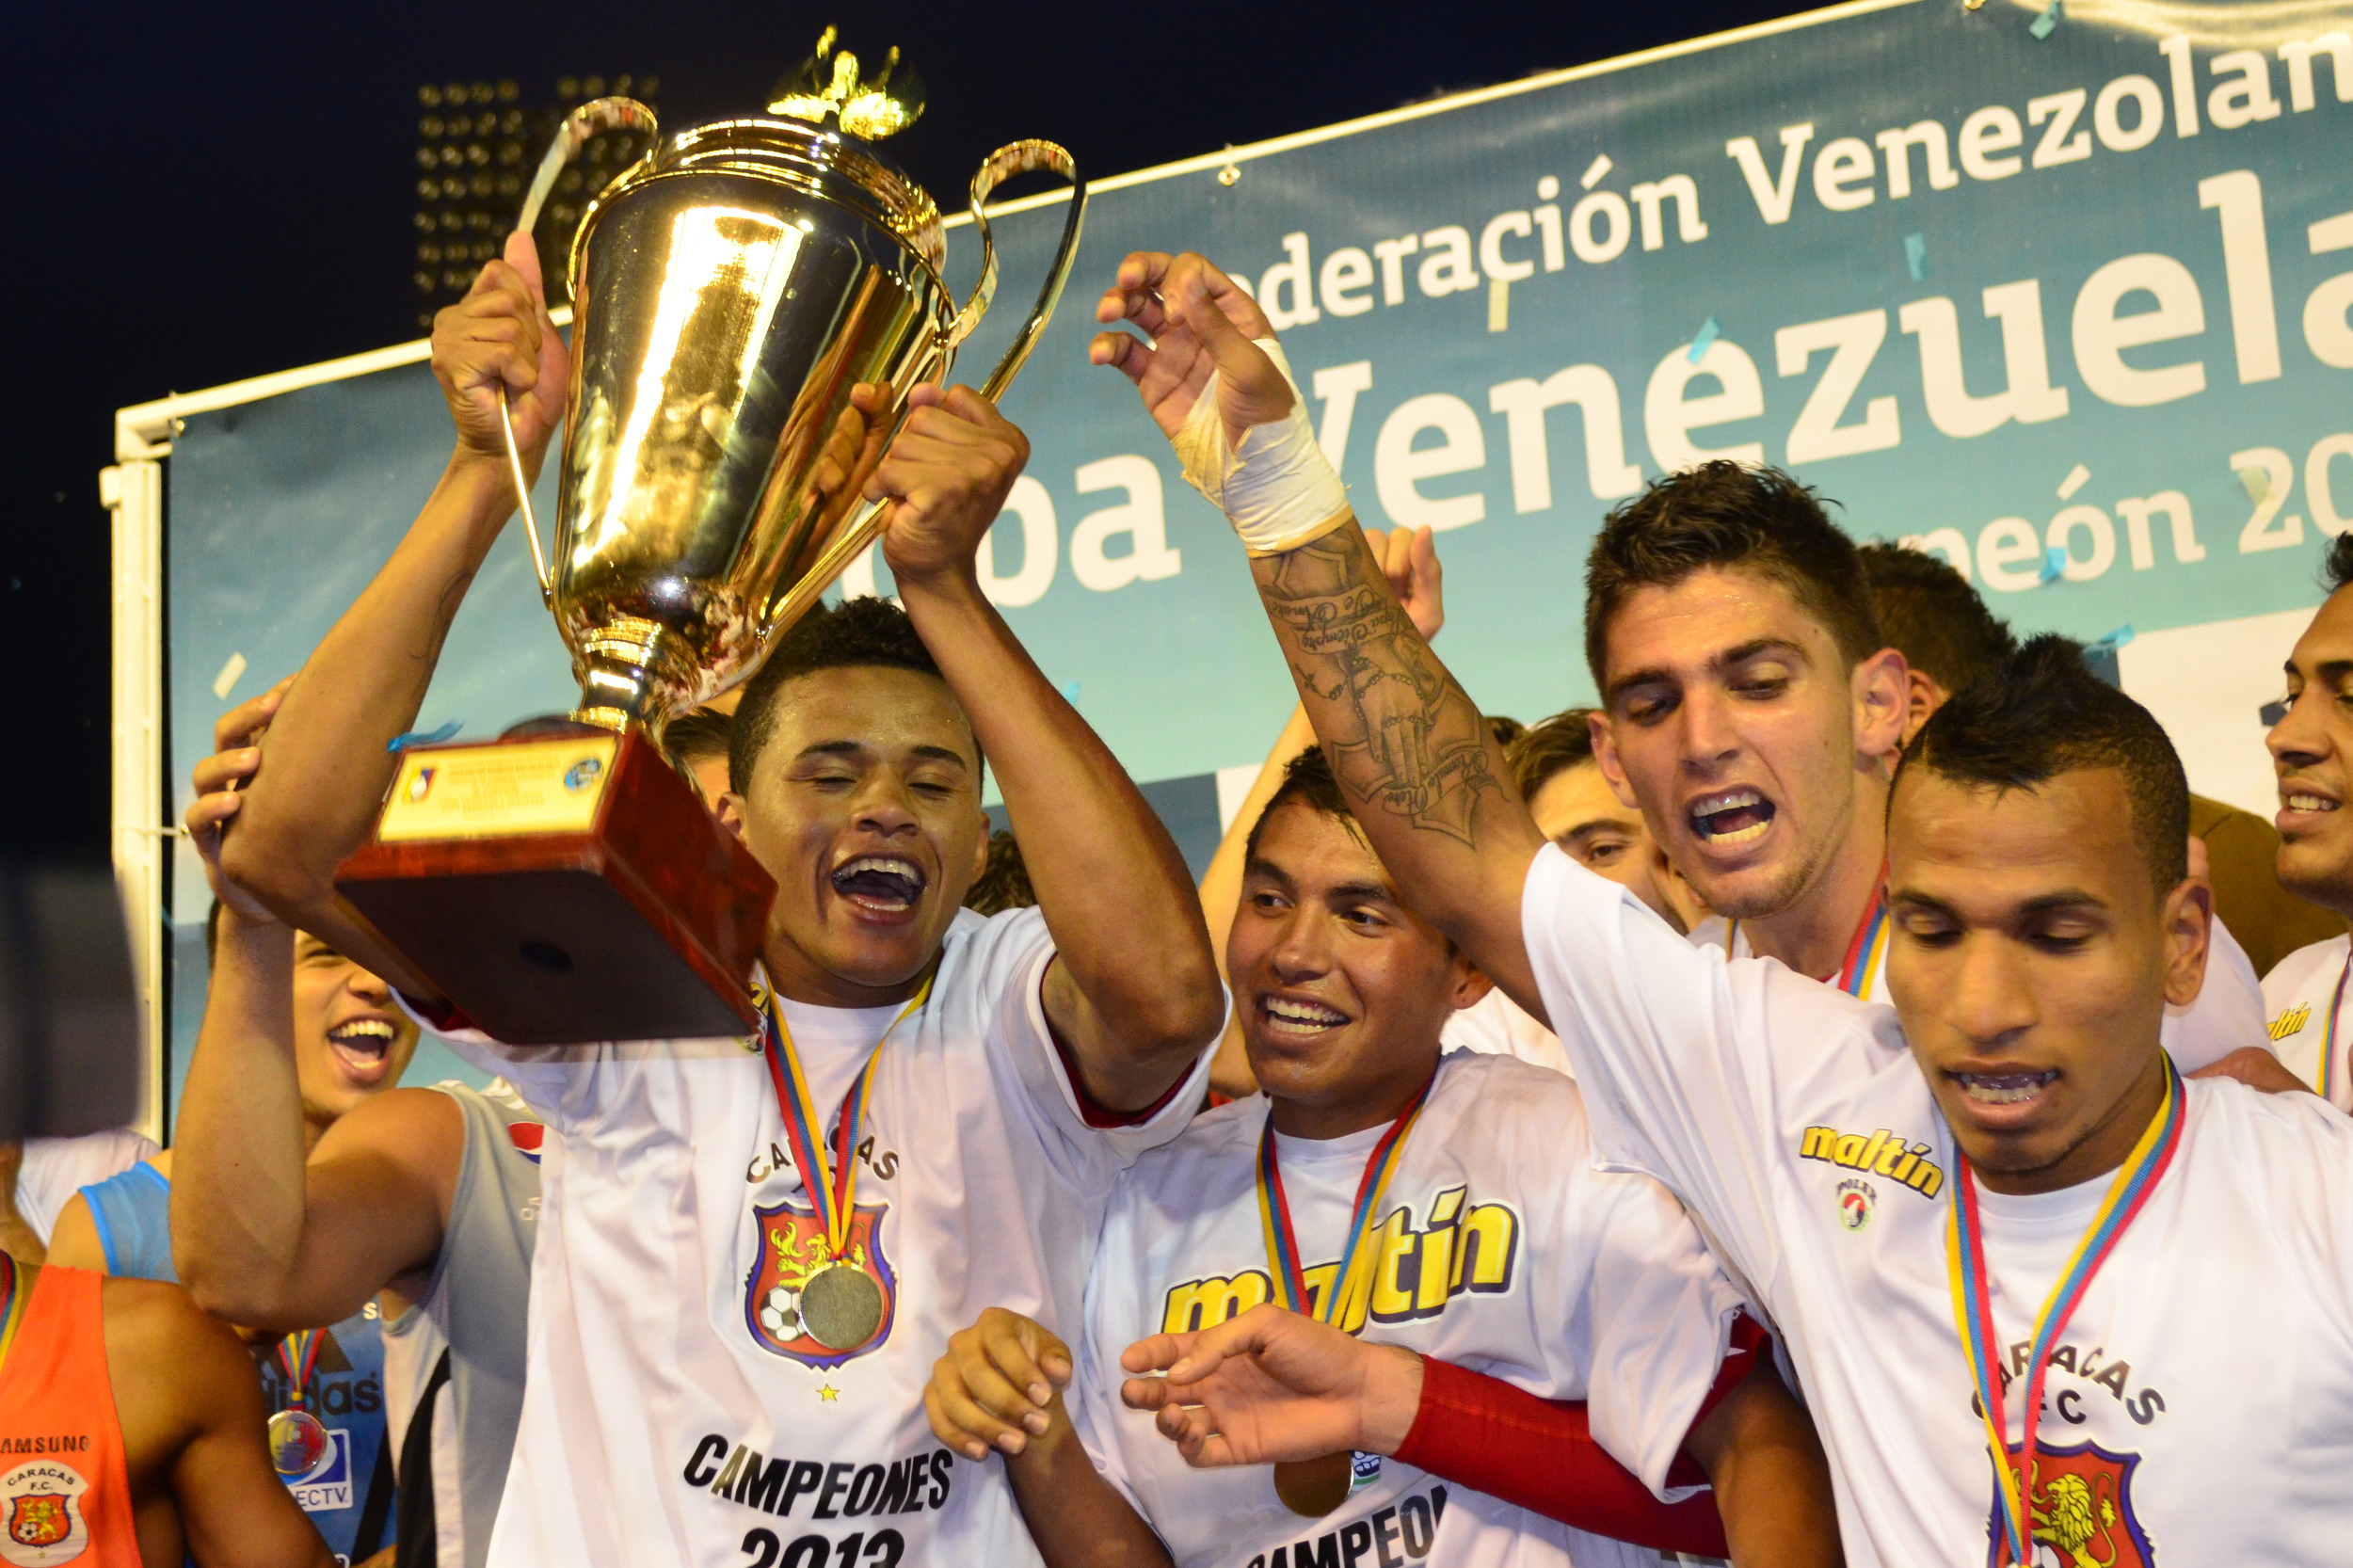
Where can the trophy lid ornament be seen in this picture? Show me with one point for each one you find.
(827, 85)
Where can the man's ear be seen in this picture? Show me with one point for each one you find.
(1882, 702)
(2189, 932)
(1606, 758)
(1471, 983)
(980, 851)
(731, 814)
(1922, 696)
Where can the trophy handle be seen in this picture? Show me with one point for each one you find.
(1020, 157)
(600, 113)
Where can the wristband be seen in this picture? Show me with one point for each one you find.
(1275, 486)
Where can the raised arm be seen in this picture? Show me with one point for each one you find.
(1132, 991)
(1428, 781)
(1412, 563)
(326, 767)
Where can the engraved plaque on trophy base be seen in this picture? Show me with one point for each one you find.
(563, 890)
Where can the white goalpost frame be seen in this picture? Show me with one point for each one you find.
(133, 490)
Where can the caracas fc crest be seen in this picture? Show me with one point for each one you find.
(2080, 1511)
(808, 1306)
(40, 1515)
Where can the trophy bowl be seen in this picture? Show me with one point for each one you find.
(730, 290)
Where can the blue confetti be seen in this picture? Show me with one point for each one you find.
(2046, 23)
(425, 737)
(1916, 256)
(2117, 638)
(2054, 563)
(1703, 339)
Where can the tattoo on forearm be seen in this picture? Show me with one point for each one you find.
(1402, 736)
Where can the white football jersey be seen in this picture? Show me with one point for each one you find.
(1494, 1025)
(2228, 1013)
(2297, 997)
(676, 1411)
(2199, 1408)
(1502, 1250)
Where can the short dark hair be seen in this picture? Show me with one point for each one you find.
(1004, 881)
(1721, 514)
(1929, 613)
(1549, 747)
(2047, 714)
(1308, 780)
(2339, 561)
(857, 633)
(704, 733)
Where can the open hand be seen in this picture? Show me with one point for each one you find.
(1198, 322)
(1272, 1385)
(237, 757)
(999, 1386)
(501, 336)
(947, 474)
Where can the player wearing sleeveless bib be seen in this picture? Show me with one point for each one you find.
(751, 1251)
(131, 1433)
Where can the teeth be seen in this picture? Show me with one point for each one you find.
(372, 1029)
(1707, 813)
(887, 865)
(1302, 1016)
(2004, 1088)
(2307, 803)
(1729, 800)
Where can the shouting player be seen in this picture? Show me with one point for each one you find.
(751, 1252)
(1443, 1202)
(2009, 1246)
(427, 1199)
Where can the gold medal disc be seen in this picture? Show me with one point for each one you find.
(841, 1308)
(298, 1441)
(1312, 1488)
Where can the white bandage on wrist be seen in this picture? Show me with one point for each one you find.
(1274, 487)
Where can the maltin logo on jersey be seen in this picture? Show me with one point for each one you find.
(2080, 1504)
(808, 1307)
(41, 1515)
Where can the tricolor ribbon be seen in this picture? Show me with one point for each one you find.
(830, 1183)
(299, 1365)
(1282, 1242)
(1866, 949)
(13, 1301)
(2329, 1033)
(1964, 1257)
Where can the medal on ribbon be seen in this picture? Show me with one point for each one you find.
(1314, 1487)
(840, 1305)
(1973, 1308)
(297, 1439)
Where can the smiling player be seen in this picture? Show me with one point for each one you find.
(1444, 1203)
(2045, 1296)
(751, 1251)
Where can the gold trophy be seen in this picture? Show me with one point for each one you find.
(729, 289)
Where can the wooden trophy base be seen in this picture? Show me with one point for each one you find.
(567, 890)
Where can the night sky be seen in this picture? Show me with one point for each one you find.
(200, 194)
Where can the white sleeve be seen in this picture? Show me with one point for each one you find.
(2227, 1014)
(54, 1169)
(1686, 1058)
(1085, 1144)
(1661, 1315)
(565, 1086)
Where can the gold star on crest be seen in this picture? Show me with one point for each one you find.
(828, 1394)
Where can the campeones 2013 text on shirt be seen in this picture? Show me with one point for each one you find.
(2199, 1405)
(1502, 1249)
(675, 1409)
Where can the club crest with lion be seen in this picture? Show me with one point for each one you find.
(2079, 1505)
(804, 1305)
